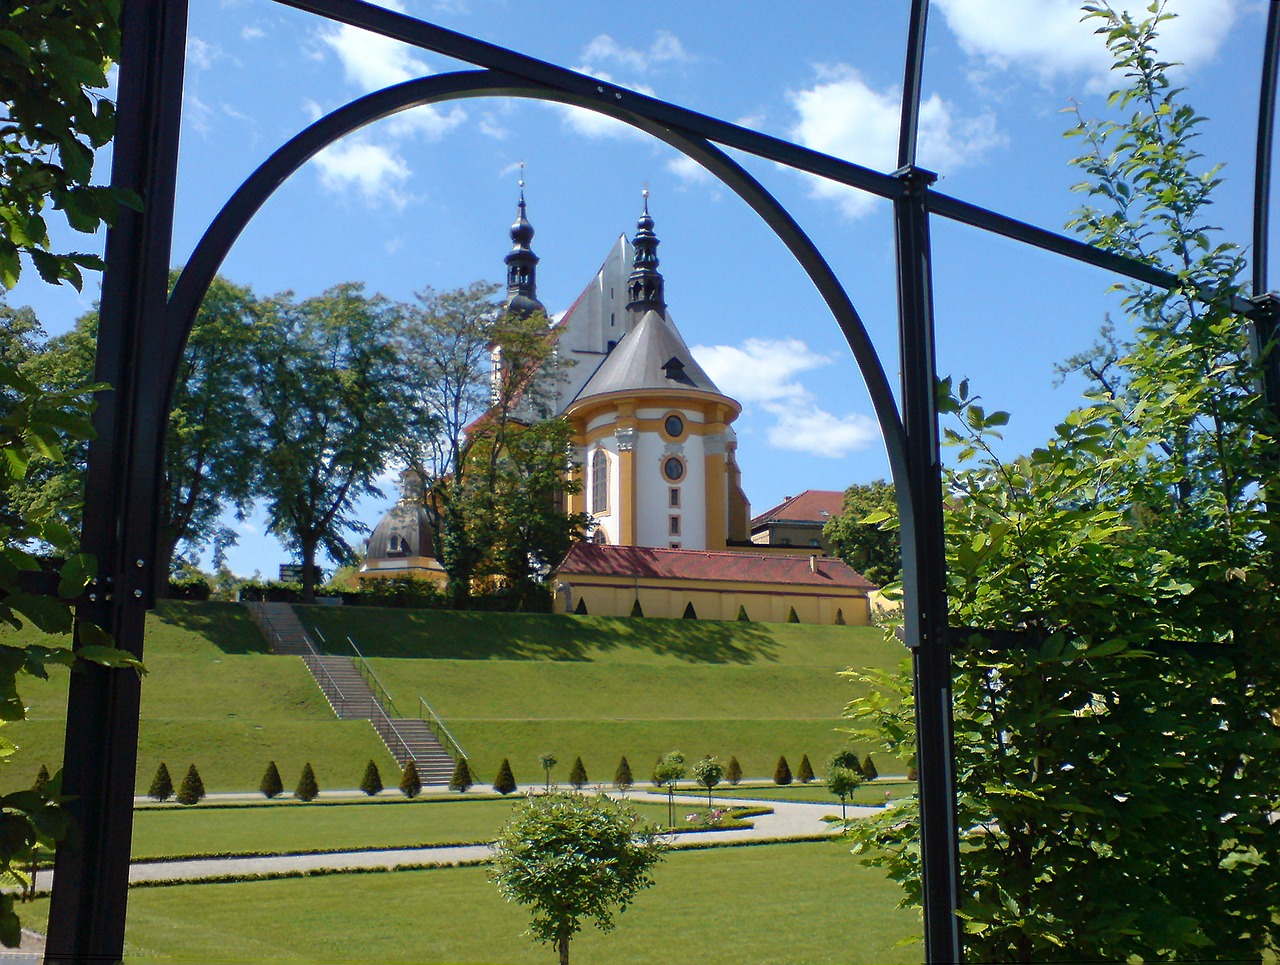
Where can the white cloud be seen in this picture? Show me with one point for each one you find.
(202, 54)
(252, 32)
(843, 116)
(666, 49)
(763, 372)
(689, 170)
(376, 171)
(371, 61)
(1047, 37)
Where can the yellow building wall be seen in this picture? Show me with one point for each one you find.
(764, 603)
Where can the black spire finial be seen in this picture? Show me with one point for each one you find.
(644, 286)
(522, 263)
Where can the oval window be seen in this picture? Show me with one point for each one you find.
(674, 426)
(673, 469)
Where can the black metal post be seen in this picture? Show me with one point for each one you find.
(91, 870)
(924, 573)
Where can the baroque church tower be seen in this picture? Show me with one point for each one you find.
(653, 431)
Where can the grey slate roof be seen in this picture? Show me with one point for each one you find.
(404, 532)
(650, 356)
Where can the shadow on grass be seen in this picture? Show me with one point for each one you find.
(461, 635)
(228, 626)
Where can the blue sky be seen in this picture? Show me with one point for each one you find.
(425, 198)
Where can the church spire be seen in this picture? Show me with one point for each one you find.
(522, 263)
(644, 286)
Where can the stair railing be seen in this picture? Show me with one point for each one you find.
(443, 735)
(389, 733)
(312, 658)
(379, 692)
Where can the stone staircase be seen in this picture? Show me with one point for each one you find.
(351, 696)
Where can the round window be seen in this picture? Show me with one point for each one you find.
(673, 469)
(674, 426)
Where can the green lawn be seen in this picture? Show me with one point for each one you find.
(520, 685)
(215, 697)
(783, 904)
(508, 685)
(868, 794)
(283, 827)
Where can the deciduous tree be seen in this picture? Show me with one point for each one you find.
(571, 858)
(1135, 556)
(873, 549)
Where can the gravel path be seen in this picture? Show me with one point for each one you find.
(789, 819)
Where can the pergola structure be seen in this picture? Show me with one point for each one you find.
(143, 331)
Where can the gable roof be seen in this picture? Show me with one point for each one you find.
(589, 559)
(651, 356)
(811, 506)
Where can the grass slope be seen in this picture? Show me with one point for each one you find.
(278, 828)
(214, 696)
(800, 904)
(520, 685)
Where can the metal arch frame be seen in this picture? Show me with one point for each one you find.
(89, 900)
(235, 215)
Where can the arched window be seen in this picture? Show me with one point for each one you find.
(599, 481)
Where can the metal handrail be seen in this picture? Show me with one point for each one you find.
(442, 732)
(390, 725)
(311, 659)
(366, 671)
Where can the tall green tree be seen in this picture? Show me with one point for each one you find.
(53, 78)
(213, 443)
(1129, 739)
(330, 397)
(571, 858)
(871, 548)
(495, 462)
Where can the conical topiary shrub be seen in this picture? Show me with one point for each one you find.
(505, 782)
(782, 773)
(271, 785)
(689, 612)
(462, 779)
(733, 771)
(742, 614)
(161, 785)
(636, 611)
(581, 608)
(577, 774)
(192, 789)
(307, 789)
(840, 618)
(371, 783)
(805, 774)
(622, 778)
(791, 617)
(43, 778)
(410, 782)
(869, 769)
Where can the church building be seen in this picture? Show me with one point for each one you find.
(655, 446)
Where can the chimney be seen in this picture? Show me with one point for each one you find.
(813, 564)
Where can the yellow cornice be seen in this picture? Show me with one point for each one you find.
(713, 407)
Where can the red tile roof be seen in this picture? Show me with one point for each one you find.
(589, 559)
(811, 506)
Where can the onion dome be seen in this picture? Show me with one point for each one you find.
(522, 265)
(645, 286)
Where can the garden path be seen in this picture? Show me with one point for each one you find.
(789, 819)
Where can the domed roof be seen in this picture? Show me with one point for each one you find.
(404, 532)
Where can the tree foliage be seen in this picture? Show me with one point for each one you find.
(871, 548)
(410, 781)
(708, 772)
(191, 791)
(271, 784)
(782, 772)
(161, 785)
(505, 781)
(622, 777)
(1130, 741)
(330, 394)
(494, 461)
(578, 774)
(308, 789)
(462, 778)
(54, 64)
(570, 858)
(668, 772)
(371, 782)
